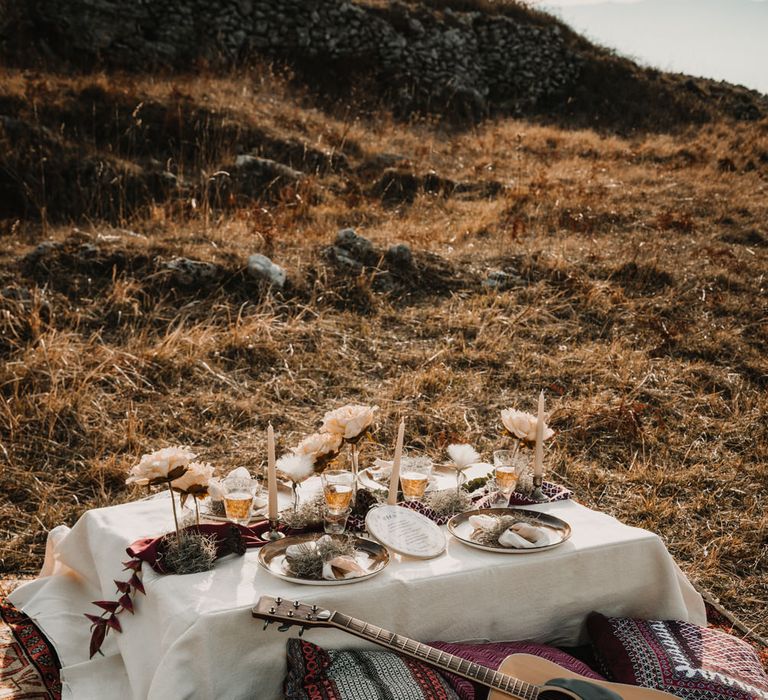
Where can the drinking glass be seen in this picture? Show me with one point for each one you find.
(508, 465)
(335, 522)
(238, 498)
(337, 489)
(414, 477)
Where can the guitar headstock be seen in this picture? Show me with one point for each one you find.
(290, 612)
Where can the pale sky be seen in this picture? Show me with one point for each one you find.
(720, 39)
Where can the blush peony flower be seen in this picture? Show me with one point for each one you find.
(349, 421)
(463, 455)
(523, 425)
(319, 445)
(168, 463)
(296, 467)
(195, 480)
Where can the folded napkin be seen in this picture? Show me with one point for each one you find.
(381, 470)
(342, 566)
(519, 535)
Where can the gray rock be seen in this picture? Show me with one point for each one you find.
(399, 257)
(357, 247)
(262, 268)
(500, 280)
(41, 251)
(192, 272)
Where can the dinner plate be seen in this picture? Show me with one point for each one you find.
(370, 555)
(557, 530)
(366, 480)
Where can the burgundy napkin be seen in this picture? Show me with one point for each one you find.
(229, 538)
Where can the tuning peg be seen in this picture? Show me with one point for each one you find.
(284, 628)
(267, 623)
(302, 629)
(296, 603)
(278, 600)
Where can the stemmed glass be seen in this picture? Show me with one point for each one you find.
(508, 465)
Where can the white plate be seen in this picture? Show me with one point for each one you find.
(405, 531)
(558, 531)
(258, 511)
(370, 555)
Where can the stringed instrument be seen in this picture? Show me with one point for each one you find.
(520, 676)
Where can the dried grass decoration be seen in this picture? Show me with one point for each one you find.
(448, 502)
(489, 534)
(308, 560)
(189, 552)
(307, 514)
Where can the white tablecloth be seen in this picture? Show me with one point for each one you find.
(193, 636)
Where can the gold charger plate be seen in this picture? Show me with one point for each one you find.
(558, 530)
(370, 555)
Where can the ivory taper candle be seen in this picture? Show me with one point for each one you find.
(395, 478)
(271, 473)
(538, 463)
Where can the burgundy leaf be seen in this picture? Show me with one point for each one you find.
(137, 584)
(123, 586)
(97, 638)
(95, 619)
(126, 602)
(134, 564)
(108, 605)
(114, 623)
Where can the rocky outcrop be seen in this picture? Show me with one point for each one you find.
(421, 57)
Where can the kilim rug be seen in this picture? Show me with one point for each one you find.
(29, 666)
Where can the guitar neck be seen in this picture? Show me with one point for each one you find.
(513, 687)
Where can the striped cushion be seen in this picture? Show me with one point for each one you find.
(359, 674)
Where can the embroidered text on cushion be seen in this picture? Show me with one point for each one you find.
(688, 661)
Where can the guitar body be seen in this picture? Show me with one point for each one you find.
(538, 671)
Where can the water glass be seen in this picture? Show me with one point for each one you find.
(335, 522)
(508, 465)
(338, 487)
(414, 477)
(238, 498)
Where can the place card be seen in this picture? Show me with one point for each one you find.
(405, 531)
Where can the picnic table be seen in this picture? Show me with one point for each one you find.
(193, 636)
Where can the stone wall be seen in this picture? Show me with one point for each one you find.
(418, 56)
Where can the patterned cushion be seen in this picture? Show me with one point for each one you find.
(359, 674)
(315, 673)
(681, 658)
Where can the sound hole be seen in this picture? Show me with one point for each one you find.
(552, 694)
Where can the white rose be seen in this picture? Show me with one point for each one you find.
(170, 461)
(348, 421)
(523, 425)
(296, 467)
(195, 479)
(319, 445)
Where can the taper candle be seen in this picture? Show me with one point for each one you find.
(394, 480)
(538, 463)
(271, 473)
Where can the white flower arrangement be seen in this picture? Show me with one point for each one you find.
(350, 421)
(319, 445)
(161, 466)
(523, 425)
(296, 467)
(463, 456)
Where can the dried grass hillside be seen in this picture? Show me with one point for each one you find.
(625, 275)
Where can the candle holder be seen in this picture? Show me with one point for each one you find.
(537, 494)
(273, 533)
